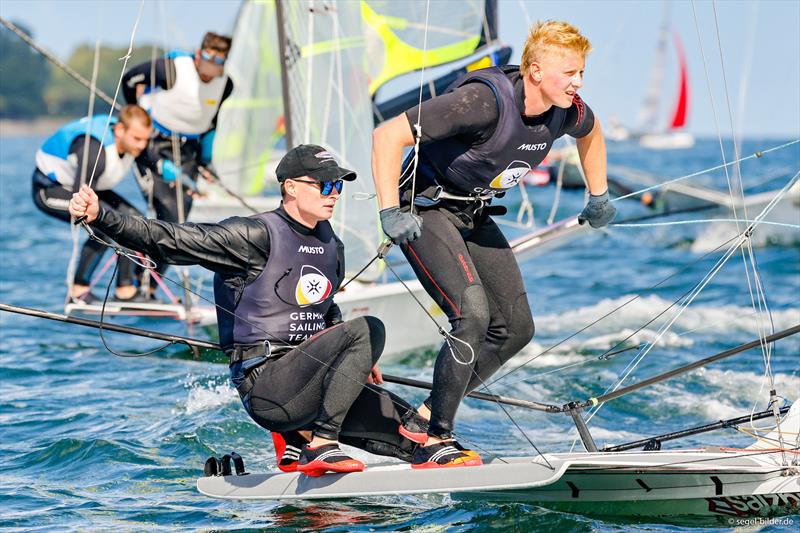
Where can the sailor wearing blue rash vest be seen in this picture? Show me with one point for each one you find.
(110, 152)
(183, 93)
(479, 139)
(300, 371)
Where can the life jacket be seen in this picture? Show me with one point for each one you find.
(287, 303)
(188, 108)
(54, 160)
(513, 151)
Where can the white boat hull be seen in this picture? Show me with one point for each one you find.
(674, 140)
(647, 484)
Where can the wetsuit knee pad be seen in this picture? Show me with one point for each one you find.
(475, 313)
(375, 331)
(521, 328)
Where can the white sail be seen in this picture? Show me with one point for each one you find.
(329, 105)
(249, 138)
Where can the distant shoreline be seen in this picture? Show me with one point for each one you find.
(38, 127)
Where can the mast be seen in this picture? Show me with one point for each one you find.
(287, 108)
(648, 113)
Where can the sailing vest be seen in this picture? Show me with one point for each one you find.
(287, 303)
(188, 108)
(512, 152)
(54, 160)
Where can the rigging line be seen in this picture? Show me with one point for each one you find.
(125, 59)
(755, 155)
(759, 287)
(559, 186)
(102, 317)
(73, 259)
(606, 356)
(57, 62)
(698, 288)
(177, 159)
(596, 321)
(448, 337)
(628, 370)
(703, 221)
(759, 324)
(418, 125)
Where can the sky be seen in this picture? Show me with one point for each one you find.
(752, 45)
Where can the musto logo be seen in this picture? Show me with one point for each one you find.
(312, 287)
(515, 171)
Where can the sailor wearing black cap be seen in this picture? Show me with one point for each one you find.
(300, 370)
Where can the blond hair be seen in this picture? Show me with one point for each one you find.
(551, 34)
(133, 112)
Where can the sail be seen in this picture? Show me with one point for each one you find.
(329, 104)
(397, 34)
(648, 113)
(249, 136)
(679, 115)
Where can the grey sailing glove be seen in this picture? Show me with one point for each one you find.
(598, 211)
(400, 226)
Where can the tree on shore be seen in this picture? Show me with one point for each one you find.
(24, 74)
(31, 87)
(65, 96)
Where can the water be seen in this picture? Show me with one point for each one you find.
(92, 441)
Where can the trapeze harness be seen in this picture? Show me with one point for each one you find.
(465, 178)
(187, 109)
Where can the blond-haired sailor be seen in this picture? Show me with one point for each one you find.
(491, 128)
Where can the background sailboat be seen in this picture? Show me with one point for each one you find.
(673, 136)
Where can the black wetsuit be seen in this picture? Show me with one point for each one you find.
(158, 74)
(462, 258)
(53, 199)
(317, 384)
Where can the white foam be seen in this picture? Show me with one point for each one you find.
(633, 315)
(207, 395)
(728, 393)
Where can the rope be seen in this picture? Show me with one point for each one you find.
(704, 221)
(600, 319)
(695, 291)
(125, 59)
(73, 259)
(755, 155)
(418, 125)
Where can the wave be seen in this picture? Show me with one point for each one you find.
(725, 318)
(208, 393)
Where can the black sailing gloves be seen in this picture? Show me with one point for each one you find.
(598, 211)
(400, 226)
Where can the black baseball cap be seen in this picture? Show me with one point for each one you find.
(313, 161)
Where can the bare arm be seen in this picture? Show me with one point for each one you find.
(592, 152)
(388, 141)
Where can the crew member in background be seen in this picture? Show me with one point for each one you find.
(491, 129)
(104, 161)
(300, 370)
(183, 94)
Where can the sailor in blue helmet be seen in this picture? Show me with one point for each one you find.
(300, 370)
(105, 159)
(479, 139)
(183, 93)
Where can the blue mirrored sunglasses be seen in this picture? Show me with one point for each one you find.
(326, 187)
(219, 61)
